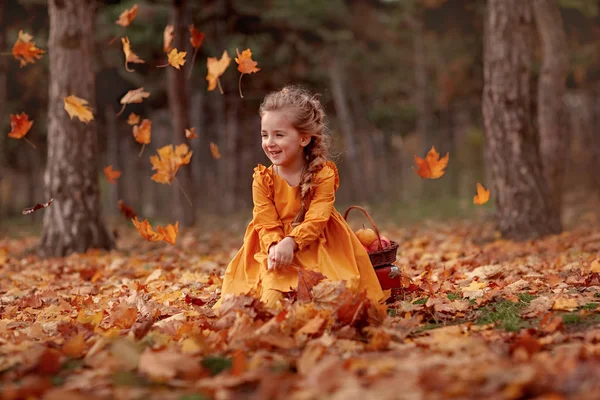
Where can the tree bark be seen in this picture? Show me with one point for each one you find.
(73, 223)
(4, 119)
(179, 106)
(523, 209)
(552, 113)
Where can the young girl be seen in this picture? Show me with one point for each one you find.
(294, 220)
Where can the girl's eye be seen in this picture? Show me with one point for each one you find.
(279, 135)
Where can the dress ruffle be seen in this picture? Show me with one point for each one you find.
(264, 176)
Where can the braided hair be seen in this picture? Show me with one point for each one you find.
(308, 118)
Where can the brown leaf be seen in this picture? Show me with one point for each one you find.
(130, 56)
(127, 16)
(168, 36)
(36, 207)
(307, 279)
(126, 210)
(196, 37)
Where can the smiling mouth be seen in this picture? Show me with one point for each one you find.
(274, 153)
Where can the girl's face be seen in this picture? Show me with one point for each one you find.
(281, 142)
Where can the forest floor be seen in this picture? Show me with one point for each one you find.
(478, 317)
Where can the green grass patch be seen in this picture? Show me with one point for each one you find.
(506, 314)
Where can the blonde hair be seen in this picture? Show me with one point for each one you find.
(308, 118)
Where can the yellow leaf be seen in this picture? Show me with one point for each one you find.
(216, 68)
(565, 304)
(75, 346)
(130, 56)
(133, 119)
(77, 107)
(214, 150)
(168, 161)
(177, 58)
(432, 167)
(168, 36)
(595, 267)
(127, 16)
(482, 196)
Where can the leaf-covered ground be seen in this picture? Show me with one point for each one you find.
(478, 317)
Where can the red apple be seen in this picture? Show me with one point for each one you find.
(385, 242)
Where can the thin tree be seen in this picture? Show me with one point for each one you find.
(523, 206)
(73, 223)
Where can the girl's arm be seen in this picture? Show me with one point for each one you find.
(319, 210)
(265, 217)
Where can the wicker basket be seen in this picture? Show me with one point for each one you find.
(378, 258)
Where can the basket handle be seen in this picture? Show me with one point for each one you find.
(370, 220)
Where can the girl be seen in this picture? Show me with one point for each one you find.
(294, 220)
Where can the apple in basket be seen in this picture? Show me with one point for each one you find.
(366, 236)
(385, 244)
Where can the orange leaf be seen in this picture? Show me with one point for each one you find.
(245, 63)
(177, 58)
(126, 210)
(111, 174)
(25, 51)
(127, 16)
(307, 278)
(482, 196)
(168, 161)
(133, 119)
(75, 346)
(169, 232)
(214, 150)
(133, 96)
(216, 68)
(77, 107)
(143, 131)
(145, 229)
(19, 125)
(432, 167)
(191, 133)
(130, 56)
(196, 37)
(168, 36)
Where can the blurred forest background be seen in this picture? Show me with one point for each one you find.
(396, 77)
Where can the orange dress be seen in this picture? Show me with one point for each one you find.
(325, 241)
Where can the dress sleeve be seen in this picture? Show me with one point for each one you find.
(265, 217)
(320, 208)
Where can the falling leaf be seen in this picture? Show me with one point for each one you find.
(214, 150)
(36, 207)
(432, 167)
(168, 36)
(169, 232)
(191, 133)
(145, 229)
(143, 131)
(25, 51)
(176, 58)
(216, 68)
(133, 119)
(168, 161)
(111, 174)
(245, 65)
(130, 56)
(127, 16)
(19, 125)
(133, 96)
(482, 196)
(77, 107)
(126, 210)
(196, 37)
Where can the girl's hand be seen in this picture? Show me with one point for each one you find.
(281, 255)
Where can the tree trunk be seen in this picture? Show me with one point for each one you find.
(552, 114)
(179, 106)
(4, 119)
(523, 209)
(73, 223)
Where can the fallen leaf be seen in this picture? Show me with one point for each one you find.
(111, 174)
(75, 346)
(216, 68)
(77, 107)
(595, 266)
(168, 36)
(168, 161)
(432, 167)
(133, 96)
(191, 133)
(133, 119)
(36, 207)
(130, 56)
(24, 50)
(483, 195)
(127, 16)
(19, 125)
(167, 364)
(214, 150)
(307, 279)
(565, 304)
(143, 132)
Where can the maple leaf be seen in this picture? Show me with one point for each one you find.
(133, 119)
(133, 96)
(245, 65)
(432, 167)
(24, 50)
(130, 56)
(168, 36)
(168, 161)
(29, 210)
(145, 229)
(142, 133)
(19, 125)
(126, 210)
(191, 133)
(77, 107)
(196, 39)
(169, 232)
(127, 16)
(111, 174)
(216, 68)
(483, 195)
(176, 59)
(214, 150)
(307, 279)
